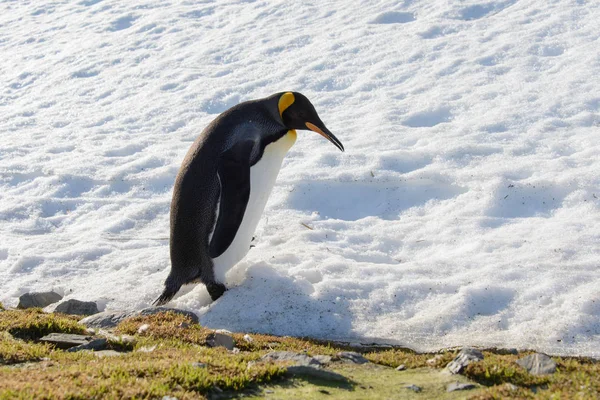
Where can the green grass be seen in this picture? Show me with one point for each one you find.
(33, 323)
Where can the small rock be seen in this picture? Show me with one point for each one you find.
(511, 387)
(401, 367)
(323, 359)
(464, 358)
(199, 365)
(414, 388)
(217, 339)
(143, 328)
(353, 357)
(248, 338)
(235, 350)
(42, 299)
(315, 372)
(169, 398)
(107, 353)
(434, 360)
(156, 310)
(296, 358)
(106, 319)
(459, 386)
(538, 364)
(66, 340)
(268, 391)
(94, 345)
(76, 307)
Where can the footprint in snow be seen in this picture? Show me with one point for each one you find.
(477, 11)
(428, 118)
(393, 17)
(122, 23)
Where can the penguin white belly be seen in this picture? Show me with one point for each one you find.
(262, 179)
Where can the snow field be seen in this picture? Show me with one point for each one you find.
(465, 209)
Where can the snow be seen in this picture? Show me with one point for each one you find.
(465, 210)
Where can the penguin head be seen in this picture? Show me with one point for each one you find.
(297, 112)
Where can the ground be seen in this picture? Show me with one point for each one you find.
(159, 361)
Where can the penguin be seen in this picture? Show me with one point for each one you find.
(223, 185)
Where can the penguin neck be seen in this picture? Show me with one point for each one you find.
(288, 140)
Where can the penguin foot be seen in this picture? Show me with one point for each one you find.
(215, 290)
(164, 298)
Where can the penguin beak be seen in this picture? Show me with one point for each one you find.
(326, 134)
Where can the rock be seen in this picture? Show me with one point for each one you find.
(511, 387)
(199, 365)
(156, 310)
(295, 358)
(323, 359)
(66, 340)
(42, 299)
(464, 358)
(315, 372)
(107, 353)
(459, 386)
(353, 357)
(248, 338)
(106, 319)
(110, 319)
(414, 388)
(538, 364)
(76, 307)
(434, 360)
(94, 345)
(217, 339)
(143, 328)
(401, 367)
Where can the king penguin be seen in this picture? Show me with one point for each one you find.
(223, 185)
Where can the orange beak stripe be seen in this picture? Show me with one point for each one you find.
(315, 128)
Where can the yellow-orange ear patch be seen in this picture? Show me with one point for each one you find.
(286, 100)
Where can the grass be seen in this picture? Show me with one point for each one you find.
(575, 378)
(33, 323)
(14, 351)
(160, 362)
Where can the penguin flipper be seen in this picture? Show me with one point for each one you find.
(234, 176)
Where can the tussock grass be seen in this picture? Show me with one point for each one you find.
(410, 359)
(165, 371)
(17, 351)
(575, 378)
(33, 323)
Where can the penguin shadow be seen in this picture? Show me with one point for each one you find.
(269, 302)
